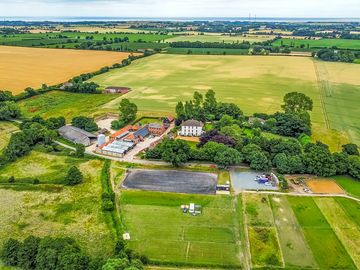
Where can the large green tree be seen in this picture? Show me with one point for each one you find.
(319, 160)
(176, 152)
(210, 103)
(128, 110)
(350, 149)
(354, 166)
(6, 96)
(296, 102)
(85, 123)
(9, 110)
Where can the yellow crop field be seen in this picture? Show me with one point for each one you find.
(31, 67)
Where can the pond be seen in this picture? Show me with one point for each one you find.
(242, 179)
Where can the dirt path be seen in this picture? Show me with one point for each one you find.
(303, 195)
(324, 90)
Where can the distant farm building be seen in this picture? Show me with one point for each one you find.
(254, 120)
(117, 90)
(66, 84)
(191, 128)
(168, 120)
(77, 135)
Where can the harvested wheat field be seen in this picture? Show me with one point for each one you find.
(324, 186)
(32, 67)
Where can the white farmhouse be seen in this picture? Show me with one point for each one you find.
(191, 128)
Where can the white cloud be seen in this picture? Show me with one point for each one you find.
(181, 8)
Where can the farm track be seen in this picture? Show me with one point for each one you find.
(323, 91)
(302, 194)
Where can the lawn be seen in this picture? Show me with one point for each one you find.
(349, 184)
(221, 38)
(69, 105)
(345, 228)
(59, 211)
(47, 168)
(160, 230)
(224, 176)
(148, 120)
(263, 239)
(31, 67)
(6, 129)
(329, 252)
(325, 42)
(255, 83)
(294, 247)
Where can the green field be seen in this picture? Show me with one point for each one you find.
(295, 249)
(47, 168)
(349, 184)
(160, 230)
(320, 43)
(55, 210)
(352, 209)
(255, 83)
(263, 238)
(6, 129)
(340, 89)
(328, 250)
(220, 38)
(345, 228)
(69, 105)
(44, 39)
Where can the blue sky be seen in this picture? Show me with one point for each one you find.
(179, 8)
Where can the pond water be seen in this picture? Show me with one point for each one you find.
(243, 180)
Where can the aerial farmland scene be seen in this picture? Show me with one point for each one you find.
(163, 135)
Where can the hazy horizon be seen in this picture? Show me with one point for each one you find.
(181, 8)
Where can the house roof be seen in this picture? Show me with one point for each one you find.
(75, 134)
(192, 123)
(155, 125)
(122, 131)
(170, 118)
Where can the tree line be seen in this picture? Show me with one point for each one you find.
(221, 45)
(56, 253)
(337, 55)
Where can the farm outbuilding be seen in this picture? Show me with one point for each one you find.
(156, 129)
(117, 90)
(77, 135)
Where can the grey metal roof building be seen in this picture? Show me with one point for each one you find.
(155, 125)
(143, 132)
(76, 135)
(117, 148)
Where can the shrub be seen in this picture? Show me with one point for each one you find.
(74, 176)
